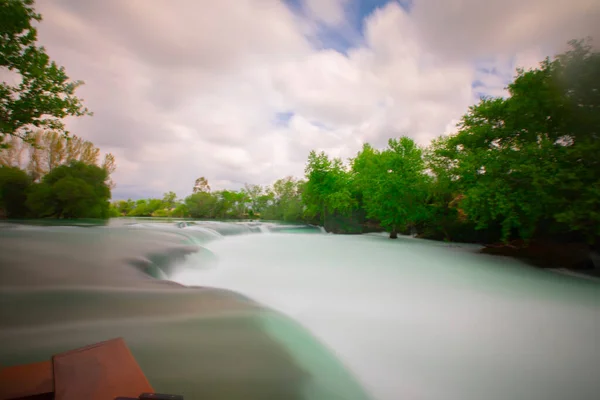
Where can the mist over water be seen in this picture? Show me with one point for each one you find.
(304, 315)
(423, 320)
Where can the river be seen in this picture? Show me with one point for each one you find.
(287, 311)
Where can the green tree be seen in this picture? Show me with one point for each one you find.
(393, 184)
(180, 211)
(77, 190)
(43, 93)
(113, 211)
(169, 200)
(329, 187)
(14, 184)
(529, 162)
(255, 195)
(140, 208)
(239, 207)
(444, 218)
(283, 200)
(576, 73)
(124, 207)
(202, 205)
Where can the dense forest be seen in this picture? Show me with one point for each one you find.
(520, 168)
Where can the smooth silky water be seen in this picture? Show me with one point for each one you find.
(287, 312)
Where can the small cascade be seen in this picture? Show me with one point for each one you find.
(209, 231)
(264, 229)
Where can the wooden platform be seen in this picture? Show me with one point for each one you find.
(30, 381)
(102, 371)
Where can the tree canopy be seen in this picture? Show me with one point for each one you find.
(38, 92)
(46, 150)
(328, 188)
(76, 190)
(393, 183)
(529, 161)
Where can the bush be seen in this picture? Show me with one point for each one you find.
(14, 184)
(76, 190)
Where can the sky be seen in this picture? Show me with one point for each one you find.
(241, 90)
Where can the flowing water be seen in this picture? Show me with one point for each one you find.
(288, 312)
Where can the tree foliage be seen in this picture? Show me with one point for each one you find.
(37, 93)
(328, 188)
(14, 184)
(529, 162)
(283, 200)
(76, 190)
(201, 185)
(393, 183)
(47, 150)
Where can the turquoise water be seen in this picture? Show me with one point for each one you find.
(295, 313)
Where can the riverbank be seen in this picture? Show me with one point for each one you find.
(577, 257)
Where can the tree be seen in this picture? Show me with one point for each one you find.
(529, 162)
(445, 219)
(230, 204)
(13, 151)
(43, 93)
(148, 208)
(180, 211)
(329, 187)
(393, 184)
(201, 185)
(169, 200)
(14, 184)
(577, 75)
(201, 205)
(283, 200)
(239, 205)
(255, 194)
(124, 207)
(76, 190)
(46, 150)
(110, 165)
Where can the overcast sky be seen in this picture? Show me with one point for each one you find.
(241, 90)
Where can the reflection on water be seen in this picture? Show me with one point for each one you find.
(398, 319)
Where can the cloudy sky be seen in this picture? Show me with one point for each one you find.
(241, 90)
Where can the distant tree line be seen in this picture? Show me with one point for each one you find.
(281, 201)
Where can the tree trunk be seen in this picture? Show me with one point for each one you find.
(393, 233)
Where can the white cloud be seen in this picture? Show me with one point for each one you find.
(331, 12)
(193, 88)
(474, 28)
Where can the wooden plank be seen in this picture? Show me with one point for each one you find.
(23, 381)
(101, 371)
